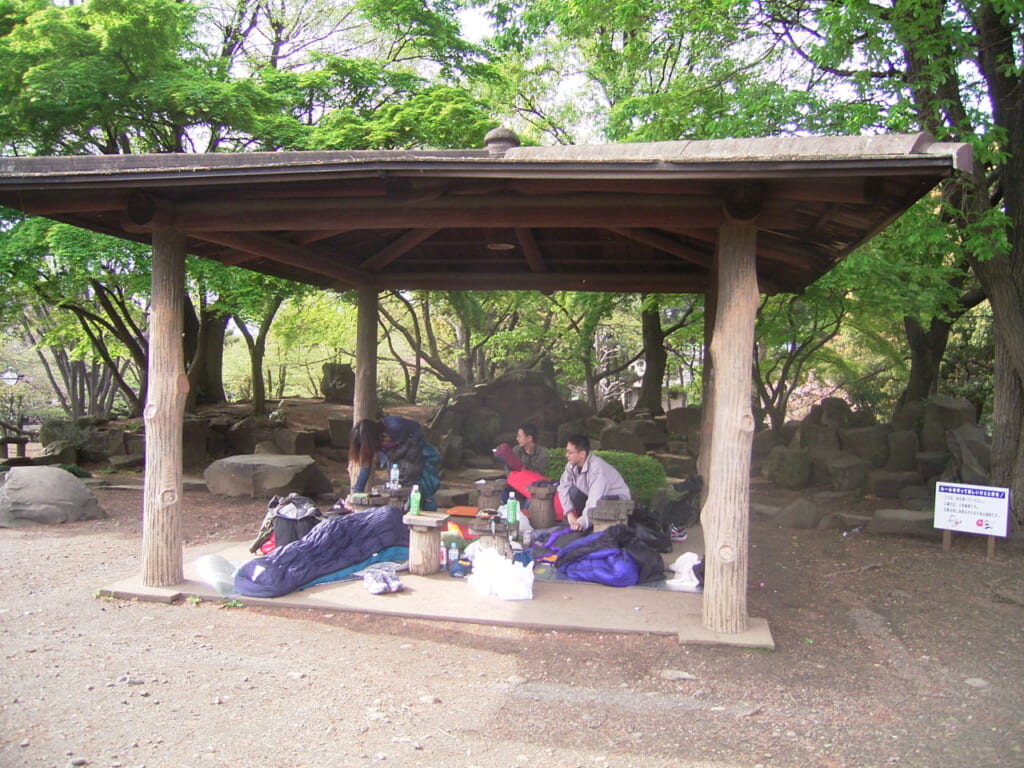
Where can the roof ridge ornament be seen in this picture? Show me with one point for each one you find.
(499, 140)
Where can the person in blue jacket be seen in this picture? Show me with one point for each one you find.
(394, 440)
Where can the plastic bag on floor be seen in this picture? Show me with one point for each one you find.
(496, 575)
(218, 572)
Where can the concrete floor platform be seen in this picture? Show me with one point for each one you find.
(555, 605)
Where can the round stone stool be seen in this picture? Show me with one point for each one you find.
(542, 506)
(488, 494)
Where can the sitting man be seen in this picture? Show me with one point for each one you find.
(586, 480)
(533, 456)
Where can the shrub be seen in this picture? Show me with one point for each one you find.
(644, 475)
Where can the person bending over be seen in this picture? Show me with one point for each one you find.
(586, 480)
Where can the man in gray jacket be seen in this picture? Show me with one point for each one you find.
(586, 480)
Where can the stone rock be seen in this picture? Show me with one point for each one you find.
(570, 428)
(595, 425)
(268, 448)
(340, 430)
(788, 467)
(916, 497)
(616, 438)
(135, 443)
(650, 431)
(970, 449)
(817, 437)
(126, 461)
(932, 465)
(500, 406)
(449, 497)
(846, 472)
(683, 421)
(243, 435)
(677, 466)
(787, 433)
(800, 514)
(295, 442)
(765, 511)
(830, 412)
(888, 484)
(45, 496)
(338, 384)
(903, 521)
(101, 443)
(903, 449)
(871, 443)
(62, 451)
(765, 440)
(258, 476)
(941, 415)
(450, 447)
(612, 410)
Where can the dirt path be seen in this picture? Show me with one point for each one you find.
(890, 652)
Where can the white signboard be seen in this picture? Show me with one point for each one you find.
(972, 508)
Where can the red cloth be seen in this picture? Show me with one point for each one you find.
(521, 480)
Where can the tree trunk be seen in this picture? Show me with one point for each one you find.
(725, 516)
(656, 358)
(364, 402)
(164, 412)
(206, 371)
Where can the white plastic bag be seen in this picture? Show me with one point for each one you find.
(495, 575)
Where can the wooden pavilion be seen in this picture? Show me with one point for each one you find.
(728, 218)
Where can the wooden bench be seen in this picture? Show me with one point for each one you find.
(20, 442)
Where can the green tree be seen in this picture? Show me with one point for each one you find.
(955, 69)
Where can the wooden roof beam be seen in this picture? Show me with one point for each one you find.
(685, 282)
(531, 250)
(284, 252)
(498, 214)
(666, 244)
(398, 248)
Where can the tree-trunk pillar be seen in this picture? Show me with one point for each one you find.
(726, 512)
(707, 397)
(164, 416)
(364, 401)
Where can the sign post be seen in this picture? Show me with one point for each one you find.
(977, 509)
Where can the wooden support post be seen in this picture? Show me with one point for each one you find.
(707, 413)
(364, 402)
(164, 416)
(726, 513)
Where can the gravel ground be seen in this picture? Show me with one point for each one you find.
(890, 652)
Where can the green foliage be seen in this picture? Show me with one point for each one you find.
(643, 474)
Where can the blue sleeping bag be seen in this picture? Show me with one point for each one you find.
(334, 544)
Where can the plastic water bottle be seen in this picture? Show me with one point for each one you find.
(443, 556)
(453, 553)
(414, 500)
(393, 480)
(512, 512)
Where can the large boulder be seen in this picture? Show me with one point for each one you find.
(871, 443)
(650, 431)
(617, 438)
(941, 415)
(261, 475)
(904, 446)
(494, 410)
(683, 421)
(788, 467)
(338, 384)
(45, 496)
(971, 452)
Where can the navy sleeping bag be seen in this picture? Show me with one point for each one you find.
(334, 544)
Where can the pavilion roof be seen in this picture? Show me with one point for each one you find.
(614, 217)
